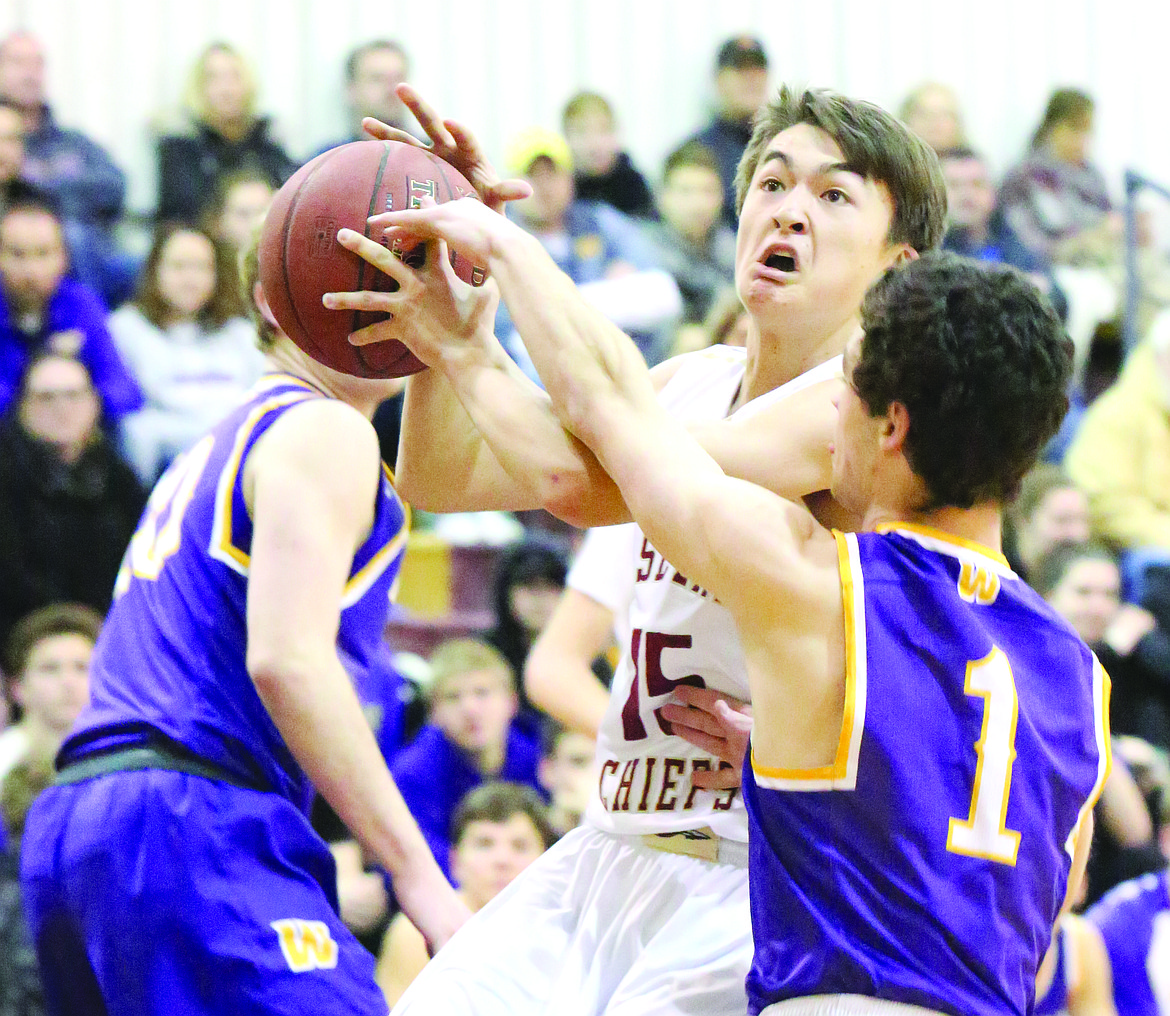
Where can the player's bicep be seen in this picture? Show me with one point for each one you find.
(312, 483)
(783, 447)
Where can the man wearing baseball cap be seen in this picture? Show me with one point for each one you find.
(741, 87)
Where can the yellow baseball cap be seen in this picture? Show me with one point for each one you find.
(537, 143)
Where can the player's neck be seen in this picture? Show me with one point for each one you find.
(364, 396)
(775, 359)
(981, 524)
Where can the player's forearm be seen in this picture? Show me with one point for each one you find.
(580, 356)
(547, 466)
(566, 688)
(317, 713)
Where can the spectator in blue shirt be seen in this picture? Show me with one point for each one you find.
(42, 309)
(469, 740)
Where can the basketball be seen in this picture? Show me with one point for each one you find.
(300, 259)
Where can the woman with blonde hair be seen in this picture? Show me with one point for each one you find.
(225, 134)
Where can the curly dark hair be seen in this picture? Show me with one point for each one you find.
(982, 364)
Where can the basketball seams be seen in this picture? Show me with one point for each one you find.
(286, 260)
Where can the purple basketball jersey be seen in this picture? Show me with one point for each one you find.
(927, 864)
(1134, 920)
(171, 657)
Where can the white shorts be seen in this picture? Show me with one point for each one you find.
(599, 924)
(844, 1005)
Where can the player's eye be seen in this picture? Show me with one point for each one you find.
(834, 195)
(770, 183)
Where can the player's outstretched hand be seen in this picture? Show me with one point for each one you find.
(718, 724)
(453, 143)
(433, 312)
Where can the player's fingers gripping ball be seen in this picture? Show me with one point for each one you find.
(301, 260)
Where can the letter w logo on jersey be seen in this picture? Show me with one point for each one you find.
(977, 584)
(307, 945)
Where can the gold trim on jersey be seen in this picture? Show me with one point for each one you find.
(221, 547)
(842, 773)
(943, 542)
(359, 584)
(1102, 689)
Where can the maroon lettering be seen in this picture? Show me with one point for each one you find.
(646, 781)
(699, 765)
(621, 796)
(647, 555)
(678, 579)
(670, 783)
(662, 567)
(657, 683)
(608, 766)
(632, 725)
(724, 802)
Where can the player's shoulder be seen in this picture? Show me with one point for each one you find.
(702, 359)
(321, 437)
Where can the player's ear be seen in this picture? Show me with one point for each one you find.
(895, 427)
(902, 254)
(261, 302)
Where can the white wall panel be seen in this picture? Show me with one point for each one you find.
(118, 66)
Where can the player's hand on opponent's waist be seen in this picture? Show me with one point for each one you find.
(432, 311)
(455, 144)
(718, 724)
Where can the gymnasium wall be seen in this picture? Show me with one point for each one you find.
(116, 66)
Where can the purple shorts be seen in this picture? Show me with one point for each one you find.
(161, 892)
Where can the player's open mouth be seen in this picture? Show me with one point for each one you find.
(781, 259)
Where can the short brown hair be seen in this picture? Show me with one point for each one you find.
(875, 143)
(690, 153)
(497, 802)
(35, 627)
(267, 334)
(1040, 481)
(456, 657)
(586, 102)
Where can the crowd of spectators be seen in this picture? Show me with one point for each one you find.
(111, 365)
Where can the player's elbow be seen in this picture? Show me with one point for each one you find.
(539, 677)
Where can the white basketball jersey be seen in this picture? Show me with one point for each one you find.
(678, 635)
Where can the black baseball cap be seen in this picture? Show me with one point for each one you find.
(741, 52)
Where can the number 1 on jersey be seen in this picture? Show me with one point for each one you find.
(984, 832)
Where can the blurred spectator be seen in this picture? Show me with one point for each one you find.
(530, 576)
(41, 309)
(932, 112)
(13, 184)
(1081, 582)
(601, 170)
(973, 229)
(372, 73)
(603, 251)
(47, 658)
(75, 172)
(238, 207)
(693, 241)
(590, 616)
(469, 740)
(21, 992)
(68, 504)
(225, 134)
(1120, 457)
(1056, 199)
(498, 831)
(741, 87)
(726, 324)
(1084, 584)
(568, 774)
(1049, 509)
(184, 339)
